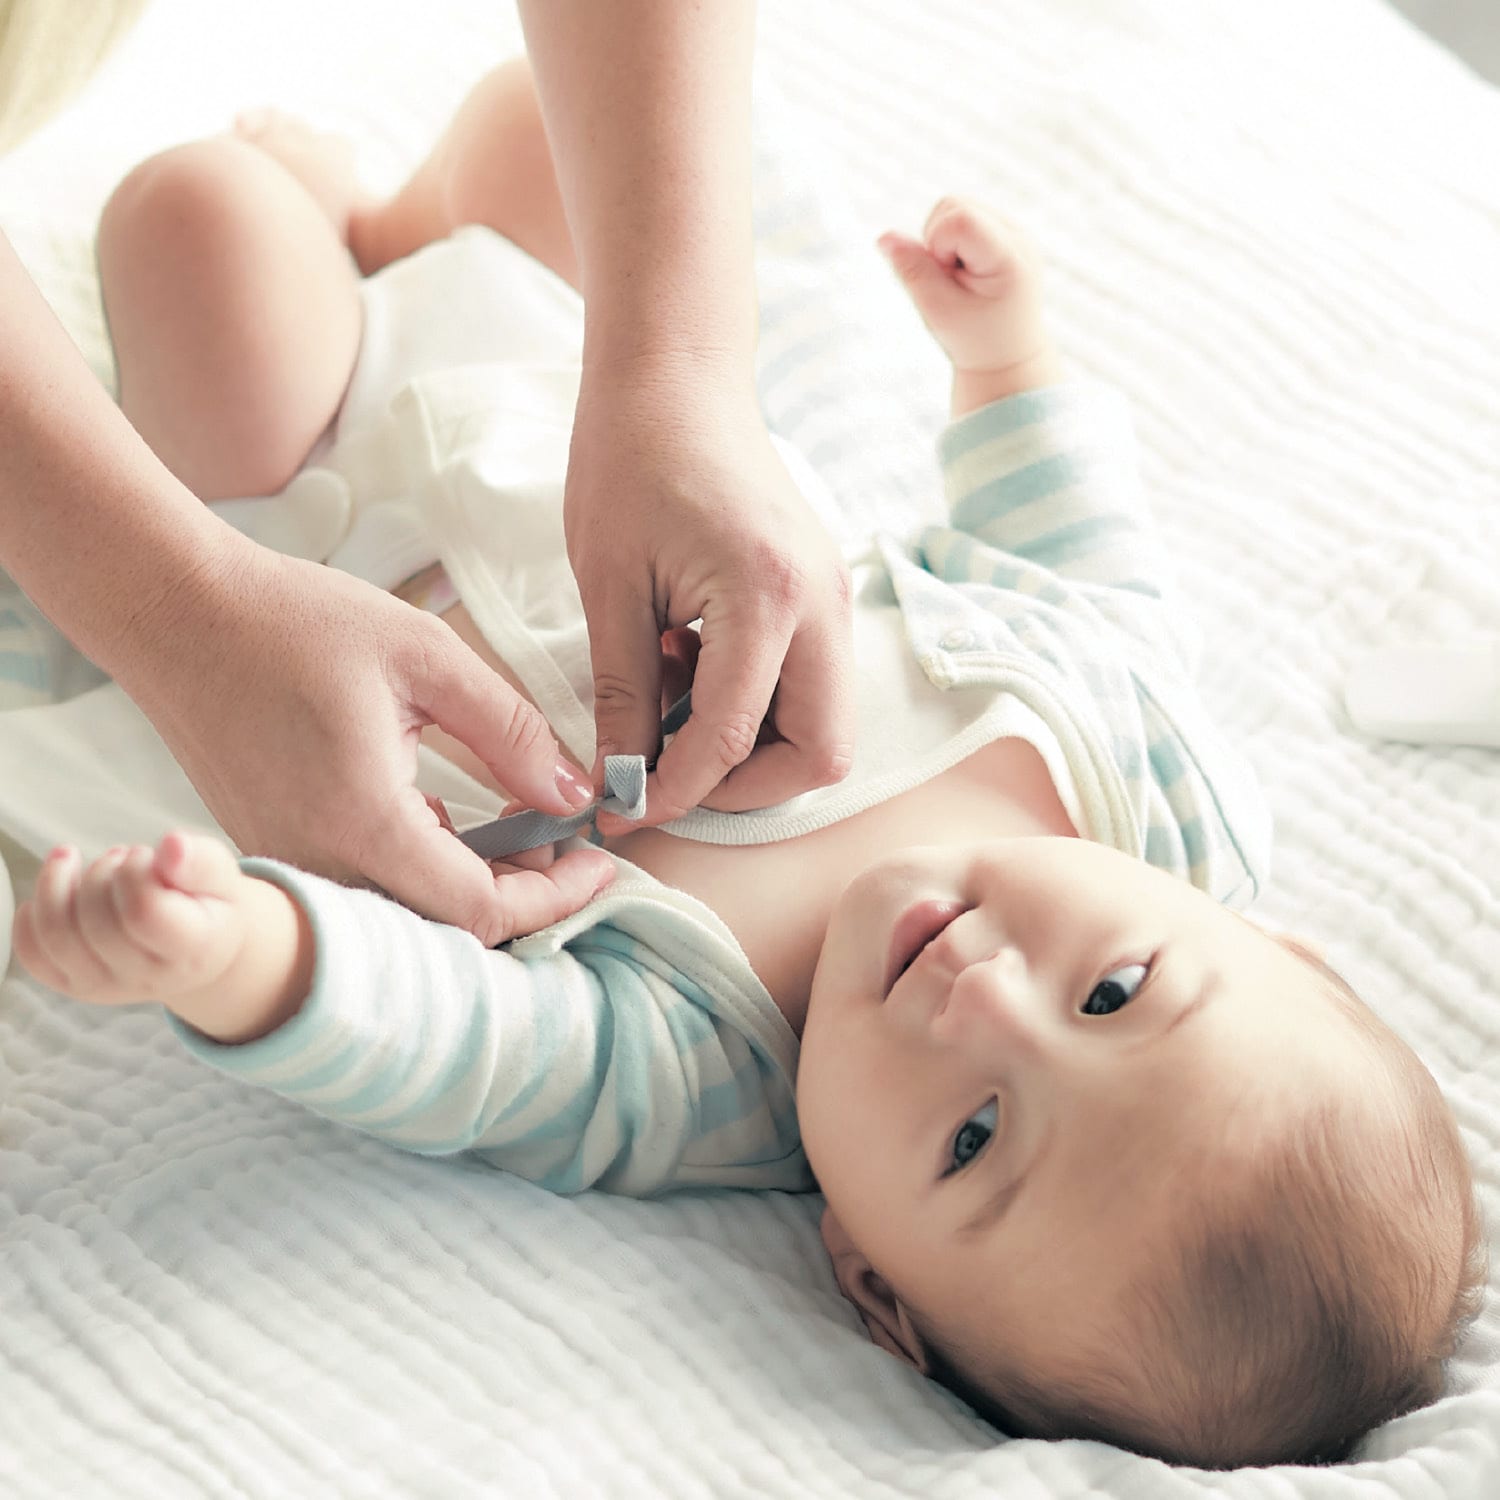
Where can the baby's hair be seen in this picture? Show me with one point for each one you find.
(1320, 1294)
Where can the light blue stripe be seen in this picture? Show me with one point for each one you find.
(1138, 586)
(1194, 840)
(1166, 763)
(26, 671)
(1162, 849)
(790, 359)
(1027, 409)
(1070, 544)
(545, 1009)
(694, 1026)
(574, 1113)
(1127, 757)
(982, 509)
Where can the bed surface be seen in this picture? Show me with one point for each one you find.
(1277, 228)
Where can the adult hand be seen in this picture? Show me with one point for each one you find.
(678, 508)
(294, 697)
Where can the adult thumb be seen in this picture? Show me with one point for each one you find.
(625, 644)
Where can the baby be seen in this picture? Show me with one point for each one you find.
(1098, 1153)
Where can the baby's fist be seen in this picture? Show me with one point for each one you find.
(974, 279)
(134, 924)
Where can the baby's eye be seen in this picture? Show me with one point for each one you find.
(974, 1135)
(1114, 990)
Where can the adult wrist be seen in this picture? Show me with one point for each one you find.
(672, 375)
(188, 586)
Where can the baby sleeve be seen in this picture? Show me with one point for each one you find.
(1050, 536)
(1049, 480)
(574, 1070)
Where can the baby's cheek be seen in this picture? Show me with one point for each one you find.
(847, 1099)
(827, 1091)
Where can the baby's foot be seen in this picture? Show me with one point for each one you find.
(975, 279)
(136, 923)
(321, 161)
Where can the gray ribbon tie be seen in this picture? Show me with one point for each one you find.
(624, 793)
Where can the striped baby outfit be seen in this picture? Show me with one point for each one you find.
(630, 1047)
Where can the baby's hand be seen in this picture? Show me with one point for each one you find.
(136, 924)
(975, 281)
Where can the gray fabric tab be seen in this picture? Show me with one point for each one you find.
(678, 715)
(624, 793)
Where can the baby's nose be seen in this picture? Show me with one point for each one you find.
(995, 1003)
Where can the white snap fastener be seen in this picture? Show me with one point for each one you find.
(957, 640)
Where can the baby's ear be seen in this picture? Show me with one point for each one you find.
(886, 1320)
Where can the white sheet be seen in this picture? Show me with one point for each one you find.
(1278, 227)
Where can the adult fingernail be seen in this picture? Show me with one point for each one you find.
(576, 791)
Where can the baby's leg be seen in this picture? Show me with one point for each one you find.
(491, 166)
(234, 310)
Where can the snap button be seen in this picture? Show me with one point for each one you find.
(957, 640)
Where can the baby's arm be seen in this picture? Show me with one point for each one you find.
(974, 279)
(229, 954)
(576, 1067)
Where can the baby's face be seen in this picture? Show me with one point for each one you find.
(1013, 1127)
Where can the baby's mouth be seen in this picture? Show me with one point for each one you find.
(915, 928)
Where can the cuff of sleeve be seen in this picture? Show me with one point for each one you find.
(320, 1024)
(1051, 419)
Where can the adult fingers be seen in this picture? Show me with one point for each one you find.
(534, 899)
(483, 712)
(528, 859)
(625, 644)
(739, 663)
(416, 860)
(814, 713)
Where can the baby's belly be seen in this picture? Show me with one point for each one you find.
(776, 898)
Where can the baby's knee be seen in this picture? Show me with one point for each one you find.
(186, 194)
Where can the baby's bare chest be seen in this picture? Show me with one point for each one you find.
(776, 898)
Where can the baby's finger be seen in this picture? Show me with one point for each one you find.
(196, 865)
(956, 230)
(98, 923)
(146, 910)
(30, 952)
(930, 284)
(54, 917)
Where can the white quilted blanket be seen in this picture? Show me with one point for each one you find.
(1277, 226)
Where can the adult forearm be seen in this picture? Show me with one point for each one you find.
(91, 525)
(647, 108)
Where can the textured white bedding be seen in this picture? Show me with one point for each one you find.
(1278, 228)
